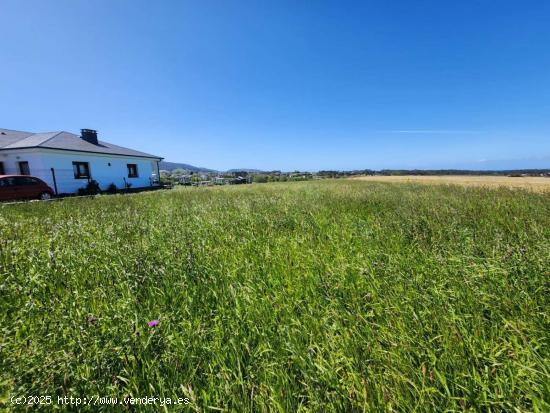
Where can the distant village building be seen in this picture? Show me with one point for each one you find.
(185, 179)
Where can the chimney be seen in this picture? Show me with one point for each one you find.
(89, 135)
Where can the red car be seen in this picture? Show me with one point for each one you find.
(13, 187)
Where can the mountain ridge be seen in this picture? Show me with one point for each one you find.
(170, 166)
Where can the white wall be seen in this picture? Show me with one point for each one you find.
(42, 160)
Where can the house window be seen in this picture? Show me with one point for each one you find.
(81, 170)
(132, 170)
(24, 168)
(2, 170)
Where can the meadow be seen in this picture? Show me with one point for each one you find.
(532, 183)
(309, 296)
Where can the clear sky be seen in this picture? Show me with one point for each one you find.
(286, 84)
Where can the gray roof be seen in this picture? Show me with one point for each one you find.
(11, 139)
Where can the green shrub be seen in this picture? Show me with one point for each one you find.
(91, 188)
(112, 189)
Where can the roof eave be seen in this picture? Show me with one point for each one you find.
(84, 151)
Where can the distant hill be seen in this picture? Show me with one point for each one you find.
(170, 166)
(250, 171)
(540, 162)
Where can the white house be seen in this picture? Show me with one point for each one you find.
(67, 162)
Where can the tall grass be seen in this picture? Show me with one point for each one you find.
(328, 296)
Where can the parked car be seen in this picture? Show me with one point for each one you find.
(14, 187)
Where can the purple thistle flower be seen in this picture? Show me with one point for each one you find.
(153, 323)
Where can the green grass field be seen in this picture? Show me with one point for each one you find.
(313, 296)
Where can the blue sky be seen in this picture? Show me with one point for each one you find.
(287, 84)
